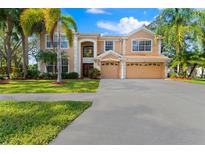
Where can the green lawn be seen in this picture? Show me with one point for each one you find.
(36, 122)
(196, 81)
(46, 86)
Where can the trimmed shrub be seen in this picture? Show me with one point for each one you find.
(64, 75)
(172, 75)
(33, 74)
(72, 75)
(45, 76)
(1, 77)
(94, 73)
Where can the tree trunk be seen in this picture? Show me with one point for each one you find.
(25, 55)
(59, 59)
(59, 66)
(202, 72)
(192, 70)
(178, 68)
(8, 44)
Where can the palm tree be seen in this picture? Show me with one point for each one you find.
(36, 20)
(175, 25)
(8, 20)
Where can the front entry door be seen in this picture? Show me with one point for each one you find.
(86, 68)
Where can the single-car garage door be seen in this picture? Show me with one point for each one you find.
(144, 70)
(110, 70)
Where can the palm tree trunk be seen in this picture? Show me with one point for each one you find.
(25, 55)
(59, 66)
(8, 44)
(192, 70)
(59, 59)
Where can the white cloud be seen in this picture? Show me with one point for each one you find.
(96, 11)
(124, 26)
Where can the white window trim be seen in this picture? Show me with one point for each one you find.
(113, 45)
(60, 43)
(141, 39)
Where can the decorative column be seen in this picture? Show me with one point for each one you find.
(76, 54)
(123, 70)
(165, 69)
(95, 53)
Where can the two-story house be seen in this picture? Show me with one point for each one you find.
(137, 55)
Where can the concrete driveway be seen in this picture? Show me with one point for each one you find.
(141, 111)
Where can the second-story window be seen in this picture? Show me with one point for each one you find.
(63, 44)
(141, 45)
(109, 45)
(88, 51)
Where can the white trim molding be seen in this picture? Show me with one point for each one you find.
(123, 70)
(123, 46)
(94, 41)
(109, 52)
(142, 39)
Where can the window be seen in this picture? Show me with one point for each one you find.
(109, 45)
(88, 51)
(52, 67)
(63, 44)
(65, 65)
(141, 45)
(48, 41)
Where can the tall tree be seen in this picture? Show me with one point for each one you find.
(175, 25)
(8, 18)
(50, 20)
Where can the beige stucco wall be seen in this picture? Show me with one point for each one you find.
(142, 35)
(69, 52)
(117, 44)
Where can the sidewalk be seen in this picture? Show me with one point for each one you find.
(48, 96)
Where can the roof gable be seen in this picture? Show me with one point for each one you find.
(139, 29)
(109, 54)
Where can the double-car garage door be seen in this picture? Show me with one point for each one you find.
(144, 70)
(111, 70)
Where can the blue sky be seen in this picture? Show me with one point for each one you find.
(111, 21)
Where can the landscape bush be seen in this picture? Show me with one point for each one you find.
(172, 75)
(73, 75)
(1, 77)
(94, 73)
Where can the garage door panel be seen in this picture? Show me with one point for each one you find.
(144, 70)
(110, 70)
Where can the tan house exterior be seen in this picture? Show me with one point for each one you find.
(137, 55)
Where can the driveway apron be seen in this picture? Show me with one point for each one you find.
(141, 111)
